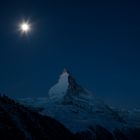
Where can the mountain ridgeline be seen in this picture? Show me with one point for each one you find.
(20, 123)
(68, 112)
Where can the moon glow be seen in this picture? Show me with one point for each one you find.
(25, 27)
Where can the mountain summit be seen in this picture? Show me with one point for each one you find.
(66, 87)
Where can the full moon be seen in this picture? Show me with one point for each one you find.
(25, 27)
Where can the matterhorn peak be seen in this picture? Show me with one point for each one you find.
(65, 85)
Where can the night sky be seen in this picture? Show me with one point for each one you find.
(97, 41)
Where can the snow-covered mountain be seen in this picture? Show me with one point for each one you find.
(68, 92)
(78, 109)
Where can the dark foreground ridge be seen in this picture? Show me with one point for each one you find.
(19, 123)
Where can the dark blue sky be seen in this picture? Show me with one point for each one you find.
(98, 41)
